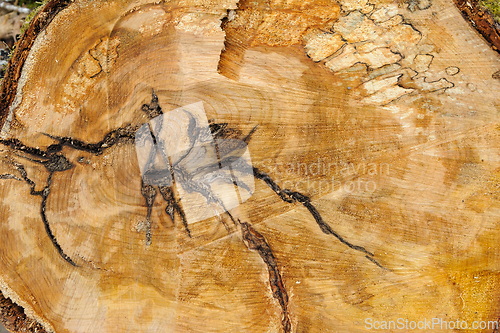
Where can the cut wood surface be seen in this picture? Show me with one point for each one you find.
(252, 166)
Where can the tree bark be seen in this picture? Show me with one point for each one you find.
(251, 166)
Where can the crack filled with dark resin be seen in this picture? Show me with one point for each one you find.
(54, 161)
(252, 239)
(256, 242)
(57, 163)
(153, 110)
(292, 197)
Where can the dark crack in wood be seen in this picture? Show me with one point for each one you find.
(55, 162)
(152, 109)
(44, 194)
(173, 206)
(10, 176)
(149, 194)
(256, 242)
(292, 197)
(122, 134)
(52, 162)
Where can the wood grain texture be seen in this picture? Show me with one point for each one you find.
(372, 129)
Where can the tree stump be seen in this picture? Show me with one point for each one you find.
(252, 166)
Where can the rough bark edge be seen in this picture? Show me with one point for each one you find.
(14, 319)
(482, 20)
(12, 316)
(10, 82)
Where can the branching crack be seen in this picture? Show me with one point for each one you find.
(149, 193)
(173, 206)
(122, 134)
(292, 197)
(44, 194)
(227, 152)
(53, 162)
(152, 109)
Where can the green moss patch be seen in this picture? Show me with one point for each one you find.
(29, 3)
(36, 5)
(493, 6)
